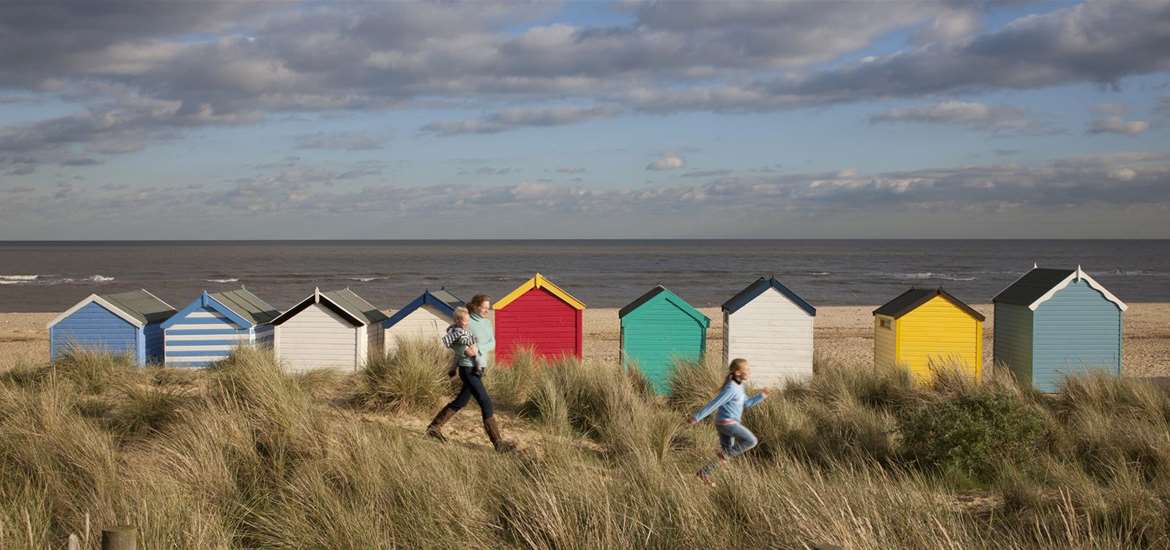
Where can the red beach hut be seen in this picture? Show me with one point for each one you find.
(538, 314)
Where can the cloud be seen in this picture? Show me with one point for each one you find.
(968, 114)
(1116, 125)
(340, 141)
(669, 161)
(233, 63)
(512, 119)
(571, 170)
(707, 173)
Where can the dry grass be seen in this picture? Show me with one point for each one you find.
(243, 455)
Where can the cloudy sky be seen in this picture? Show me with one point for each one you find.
(140, 119)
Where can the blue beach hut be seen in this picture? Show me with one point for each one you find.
(424, 318)
(208, 329)
(123, 323)
(1054, 323)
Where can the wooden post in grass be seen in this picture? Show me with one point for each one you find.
(122, 537)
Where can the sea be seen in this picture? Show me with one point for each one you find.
(51, 276)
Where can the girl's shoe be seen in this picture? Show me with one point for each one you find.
(705, 477)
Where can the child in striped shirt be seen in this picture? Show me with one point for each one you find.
(458, 338)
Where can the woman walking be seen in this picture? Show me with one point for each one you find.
(734, 438)
(470, 367)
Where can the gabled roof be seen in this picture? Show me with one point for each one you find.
(441, 299)
(668, 296)
(246, 305)
(910, 300)
(137, 307)
(344, 302)
(1040, 284)
(240, 306)
(759, 287)
(538, 281)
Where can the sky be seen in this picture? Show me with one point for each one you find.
(140, 119)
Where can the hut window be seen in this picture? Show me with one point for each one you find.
(885, 323)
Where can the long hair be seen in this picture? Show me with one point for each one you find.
(476, 301)
(735, 371)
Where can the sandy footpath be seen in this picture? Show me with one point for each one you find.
(841, 331)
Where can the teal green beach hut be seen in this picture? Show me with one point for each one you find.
(659, 328)
(1055, 323)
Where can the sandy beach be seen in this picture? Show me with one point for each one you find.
(841, 331)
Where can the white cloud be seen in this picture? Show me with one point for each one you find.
(970, 114)
(669, 161)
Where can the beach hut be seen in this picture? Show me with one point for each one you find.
(336, 329)
(538, 314)
(772, 327)
(659, 328)
(1053, 323)
(928, 328)
(213, 325)
(424, 318)
(123, 323)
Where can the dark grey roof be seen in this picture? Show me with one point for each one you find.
(755, 289)
(446, 297)
(141, 305)
(1032, 286)
(640, 300)
(911, 299)
(351, 302)
(247, 305)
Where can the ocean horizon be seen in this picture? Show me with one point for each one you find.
(51, 275)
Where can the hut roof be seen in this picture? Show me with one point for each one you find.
(344, 302)
(138, 307)
(759, 287)
(538, 281)
(1040, 284)
(441, 299)
(670, 297)
(247, 305)
(911, 299)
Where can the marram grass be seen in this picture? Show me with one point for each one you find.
(243, 455)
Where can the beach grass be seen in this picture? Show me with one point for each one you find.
(243, 455)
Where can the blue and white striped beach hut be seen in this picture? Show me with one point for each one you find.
(124, 323)
(212, 326)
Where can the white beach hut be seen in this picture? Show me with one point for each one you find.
(328, 330)
(771, 327)
(424, 318)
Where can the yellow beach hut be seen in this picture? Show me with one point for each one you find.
(924, 329)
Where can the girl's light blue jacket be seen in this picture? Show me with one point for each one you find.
(485, 337)
(731, 402)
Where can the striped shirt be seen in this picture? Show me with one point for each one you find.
(457, 339)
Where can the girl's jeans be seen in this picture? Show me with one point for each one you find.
(735, 439)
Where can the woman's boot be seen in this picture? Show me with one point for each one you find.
(493, 433)
(435, 430)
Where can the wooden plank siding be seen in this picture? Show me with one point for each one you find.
(1013, 340)
(885, 351)
(318, 338)
(657, 334)
(427, 324)
(540, 320)
(201, 337)
(938, 333)
(774, 335)
(95, 328)
(1076, 331)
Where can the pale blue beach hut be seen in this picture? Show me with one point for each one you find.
(124, 323)
(1054, 323)
(208, 329)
